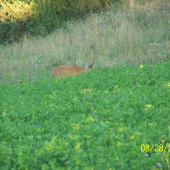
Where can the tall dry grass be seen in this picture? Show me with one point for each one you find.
(124, 35)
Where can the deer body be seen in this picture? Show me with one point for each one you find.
(65, 70)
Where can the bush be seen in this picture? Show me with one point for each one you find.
(15, 17)
(40, 17)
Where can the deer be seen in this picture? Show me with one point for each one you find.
(65, 70)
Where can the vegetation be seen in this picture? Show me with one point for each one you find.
(15, 20)
(41, 17)
(114, 117)
(122, 36)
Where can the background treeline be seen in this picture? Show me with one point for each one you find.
(41, 17)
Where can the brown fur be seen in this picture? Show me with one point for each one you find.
(65, 70)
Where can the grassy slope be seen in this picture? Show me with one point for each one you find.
(93, 121)
(122, 36)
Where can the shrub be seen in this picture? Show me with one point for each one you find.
(40, 17)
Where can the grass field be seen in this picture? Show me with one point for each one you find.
(105, 120)
(116, 117)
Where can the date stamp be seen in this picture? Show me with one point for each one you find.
(155, 148)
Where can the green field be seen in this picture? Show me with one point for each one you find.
(115, 117)
(104, 120)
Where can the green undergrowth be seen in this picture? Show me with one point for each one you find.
(104, 120)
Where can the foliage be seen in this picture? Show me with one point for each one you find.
(40, 17)
(120, 36)
(17, 11)
(15, 17)
(106, 119)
